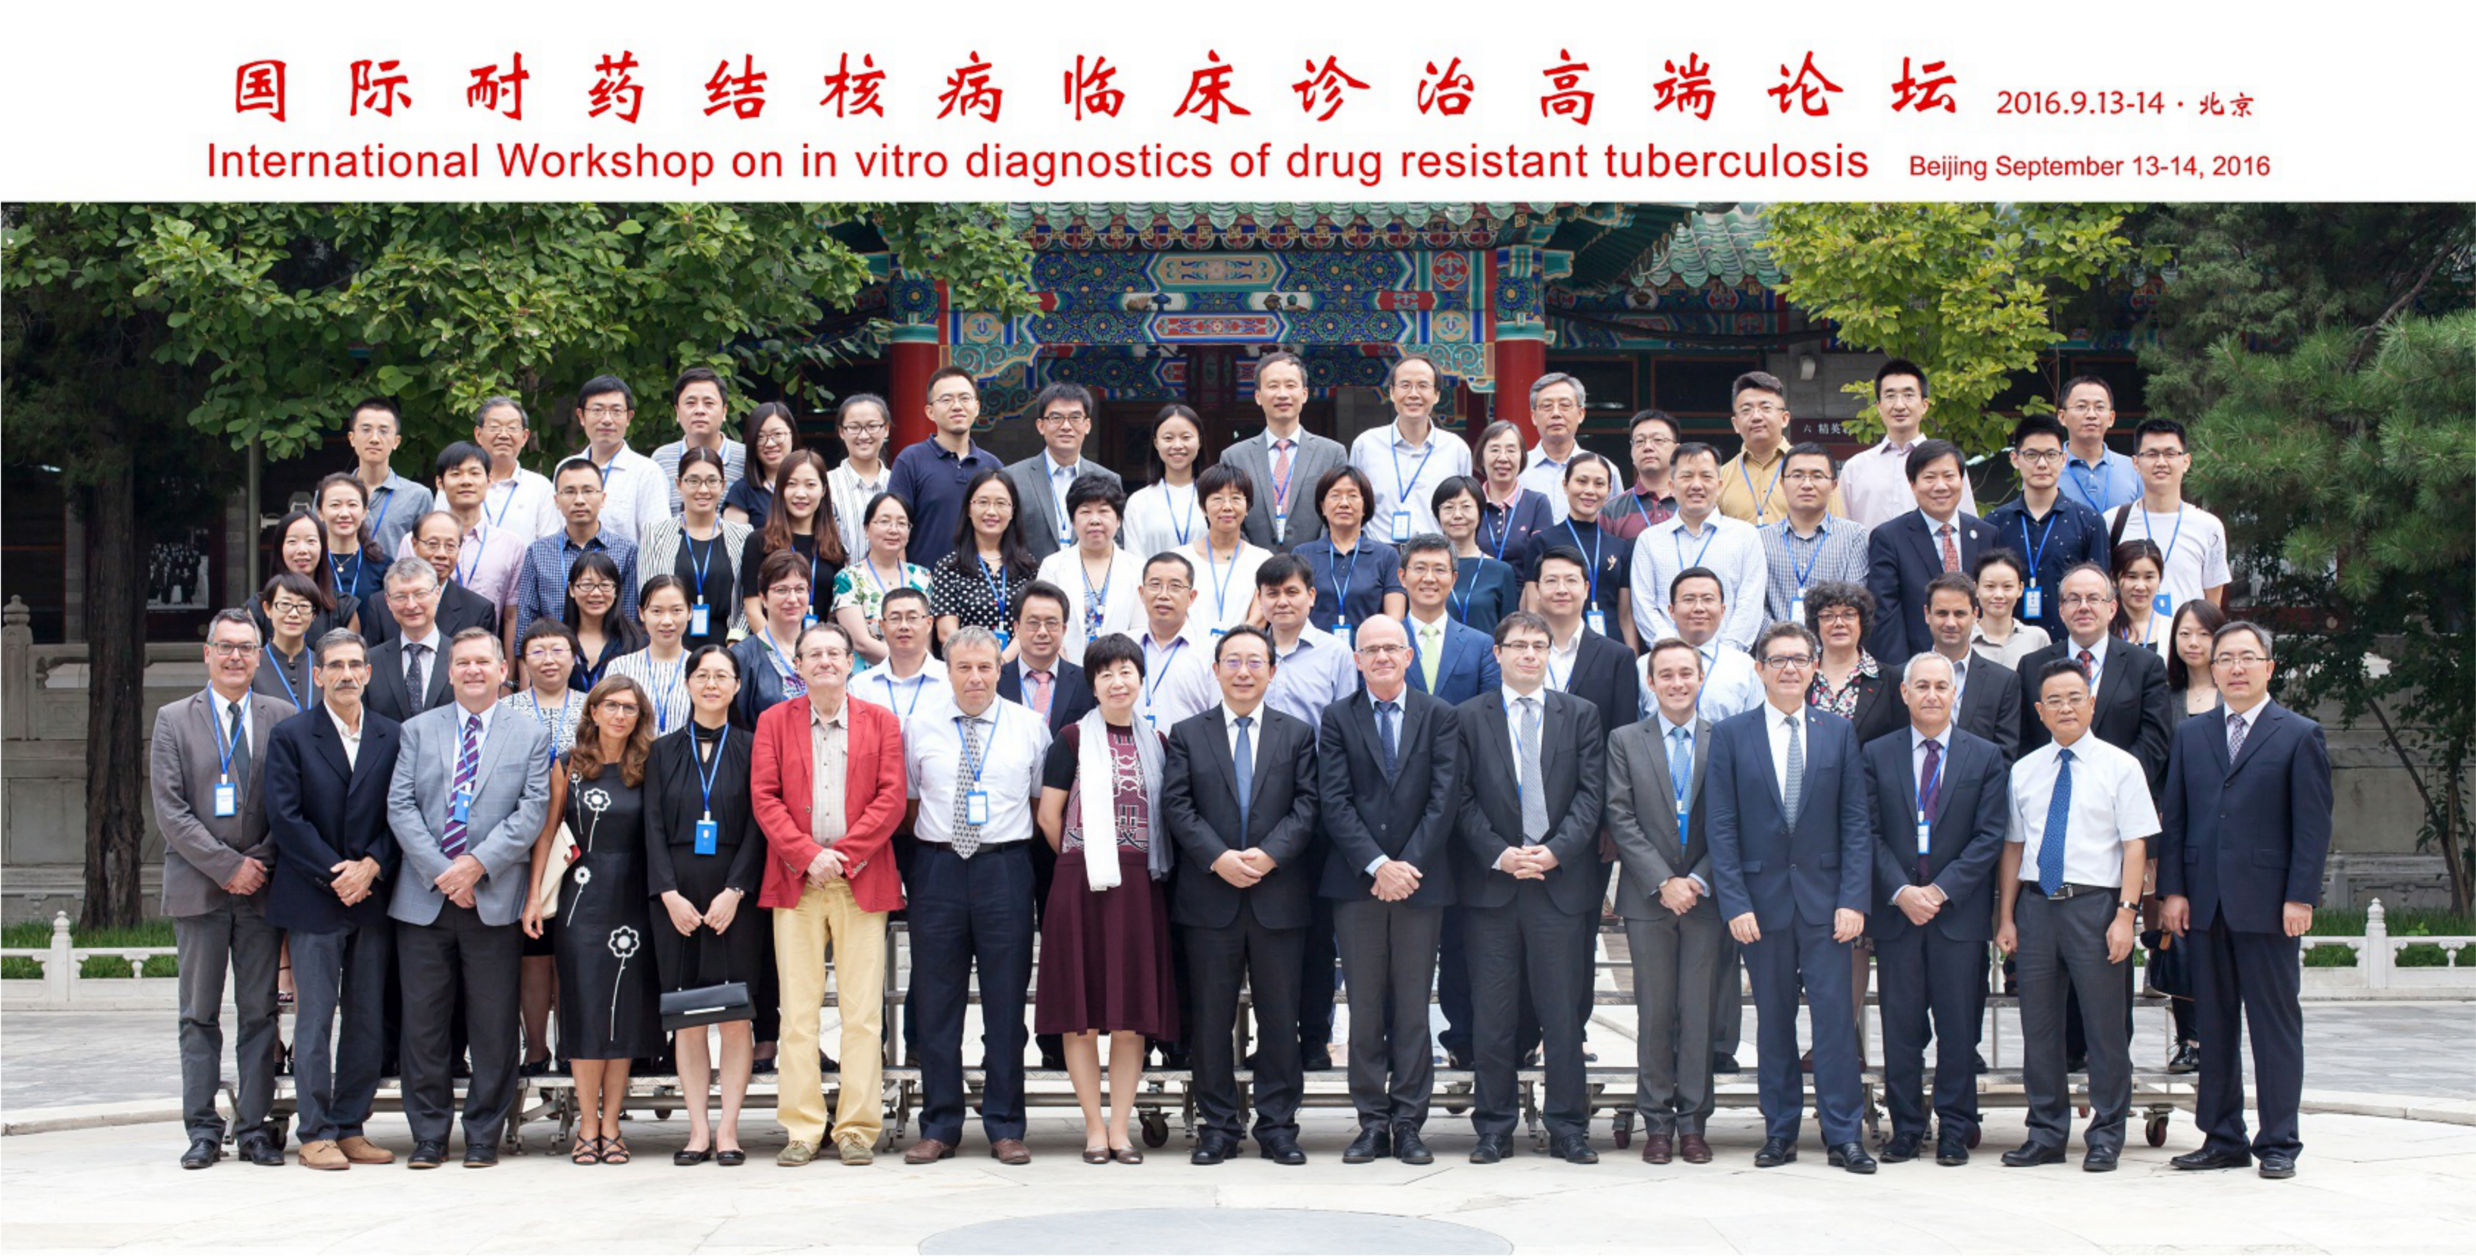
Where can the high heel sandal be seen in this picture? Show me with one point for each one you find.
(614, 1150)
(587, 1152)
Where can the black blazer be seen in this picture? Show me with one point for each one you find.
(2240, 839)
(760, 687)
(675, 801)
(2135, 712)
(1962, 842)
(1408, 817)
(1574, 758)
(1880, 710)
(1069, 698)
(1901, 557)
(1604, 674)
(459, 609)
(1199, 800)
(1990, 706)
(386, 695)
(322, 809)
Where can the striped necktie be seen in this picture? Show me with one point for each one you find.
(468, 759)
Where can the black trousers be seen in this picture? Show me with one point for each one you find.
(1532, 942)
(1453, 992)
(1266, 959)
(1389, 949)
(1319, 974)
(964, 912)
(2240, 978)
(458, 962)
(2062, 940)
(1925, 976)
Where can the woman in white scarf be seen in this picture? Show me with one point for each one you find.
(1104, 947)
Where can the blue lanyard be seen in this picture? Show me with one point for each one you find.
(1152, 685)
(701, 567)
(1597, 537)
(1186, 529)
(564, 698)
(1684, 787)
(593, 673)
(1462, 613)
(1343, 582)
(706, 771)
(501, 518)
(1678, 537)
(919, 683)
(1281, 488)
(1763, 500)
(2037, 549)
(466, 572)
(1822, 534)
(2150, 532)
(661, 706)
(792, 683)
(996, 579)
(1504, 533)
(1221, 580)
(342, 586)
(224, 746)
(980, 763)
(281, 675)
(1096, 602)
(386, 499)
(1402, 488)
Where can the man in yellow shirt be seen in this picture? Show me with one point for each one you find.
(1751, 487)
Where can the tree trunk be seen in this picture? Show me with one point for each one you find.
(116, 755)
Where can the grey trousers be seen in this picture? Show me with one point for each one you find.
(2059, 941)
(1677, 996)
(1388, 950)
(233, 936)
(344, 971)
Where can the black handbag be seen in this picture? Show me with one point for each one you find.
(706, 1006)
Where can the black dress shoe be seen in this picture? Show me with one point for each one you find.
(2100, 1160)
(1724, 1064)
(426, 1155)
(202, 1154)
(1492, 1150)
(2077, 1065)
(2277, 1167)
(1410, 1148)
(1212, 1151)
(1902, 1147)
(2031, 1154)
(690, 1158)
(1852, 1155)
(2206, 1159)
(1282, 1150)
(1316, 1060)
(1951, 1150)
(1774, 1152)
(262, 1151)
(825, 1063)
(1374, 1142)
(1455, 1060)
(1573, 1150)
(530, 1070)
(481, 1156)
(730, 1158)
(2185, 1060)
(762, 1066)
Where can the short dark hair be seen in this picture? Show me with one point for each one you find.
(2157, 426)
(575, 463)
(395, 415)
(1275, 359)
(294, 584)
(1095, 487)
(1222, 476)
(1960, 582)
(1170, 557)
(1654, 416)
(602, 384)
(1785, 629)
(778, 565)
(1041, 590)
(1924, 454)
(696, 658)
(699, 375)
(1812, 450)
(1693, 450)
(1236, 632)
(1518, 621)
(1491, 433)
(1585, 458)
(476, 633)
(948, 372)
(694, 455)
(2260, 634)
(1279, 570)
(1994, 555)
(1764, 381)
(1423, 543)
(2060, 667)
(1109, 649)
(2078, 381)
(1057, 391)
(1325, 484)
(1697, 572)
(1899, 367)
(547, 627)
(1454, 487)
(1673, 643)
(2039, 426)
(458, 454)
(1562, 555)
(1411, 356)
(1823, 595)
(905, 593)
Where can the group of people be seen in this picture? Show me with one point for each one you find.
(1400, 711)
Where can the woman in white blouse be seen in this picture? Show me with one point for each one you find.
(1165, 515)
(1100, 580)
(2000, 636)
(1225, 562)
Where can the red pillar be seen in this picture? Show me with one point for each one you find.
(1520, 361)
(912, 359)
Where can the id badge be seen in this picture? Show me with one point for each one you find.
(1681, 817)
(1925, 845)
(976, 808)
(2162, 603)
(708, 837)
(460, 807)
(1280, 527)
(1401, 524)
(1796, 610)
(697, 621)
(1341, 630)
(1004, 637)
(807, 619)
(227, 799)
(2033, 604)
(1598, 621)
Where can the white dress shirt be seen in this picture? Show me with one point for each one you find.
(1255, 735)
(350, 734)
(1776, 725)
(2110, 808)
(431, 659)
(2252, 719)
(2097, 659)
(635, 495)
(2193, 541)
(1225, 583)
(525, 504)
(1013, 743)
(1730, 684)
(1727, 546)
(1405, 475)
(1162, 517)
(1515, 721)
(1874, 484)
(1177, 679)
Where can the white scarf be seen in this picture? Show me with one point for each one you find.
(1096, 798)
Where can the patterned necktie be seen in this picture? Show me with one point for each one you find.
(1792, 792)
(2089, 666)
(1281, 476)
(468, 759)
(1431, 653)
(413, 680)
(239, 740)
(1242, 759)
(1951, 552)
(1385, 733)
(966, 840)
(1041, 693)
(1534, 779)
(1930, 796)
(2058, 823)
(2235, 736)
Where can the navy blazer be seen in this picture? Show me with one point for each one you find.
(1901, 557)
(1759, 864)
(459, 609)
(2241, 839)
(2135, 711)
(1408, 817)
(322, 810)
(1469, 666)
(1070, 692)
(1199, 809)
(1575, 761)
(1604, 674)
(1990, 705)
(1961, 843)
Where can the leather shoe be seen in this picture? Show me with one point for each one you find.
(426, 1155)
(363, 1150)
(2031, 1154)
(1283, 1150)
(1903, 1146)
(1010, 1151)
(262, 1150)
(1658, 1147)
(1574, 1149)
(1774, 1152)
(203, 1153)
(1491, 1150)
(1212, 1151)
(1374, 1142)
(2185, 1060)
(1724, 1064)
(1410, 1148)
(1951, 1151)
(2206, 1159)
(1316, 1060)
(1852, 1155)
(1692, 1148)
(2099, 1160)
(2277, 1167)
(324, 1156)
(481, 1155)
(928, 1150)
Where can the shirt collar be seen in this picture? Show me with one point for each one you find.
(1934, 526)
(2252, 714)
(841, 717)
(1771, 713)
(429, 641)
(484, 716)
(1403, 443)
(1668, 729)
(1513, 697)
(1229, 717)
(349, 732)
(1917, 738)
(1419, 627)
(1055, 468)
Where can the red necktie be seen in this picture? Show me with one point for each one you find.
(1951, 552)
(1040, 692)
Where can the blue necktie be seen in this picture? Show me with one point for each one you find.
(2058, 820)
(1244, 760)
(1681, 763)
(1385, 735)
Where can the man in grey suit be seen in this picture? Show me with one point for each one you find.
(1284, 461)
(466, 804)
(216, 858)
(1986, 695)
(1063, 412)
(1671, 923)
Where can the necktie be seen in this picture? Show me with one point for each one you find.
(1792, 792)
(1930, 796)
(1534, 779)
(966, 840)
(1681, 762)
(2058, 822)
(468, 759)
(1385, 734)
(1041, 693)
(413, 679)
(1431, 653)
(2089, 666)
(1243, 761)
(2235, 737)
(1281, 476)
(1951, 552)
(239, 739)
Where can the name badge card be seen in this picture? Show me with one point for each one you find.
(2033, 604)
(699, 619)
(1597, 619)
(976, 808)
(708, 836)
(1401, 524)
(461, 806)
(227, 799)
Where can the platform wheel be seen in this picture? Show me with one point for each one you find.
(2155, 1130)
(1155, 1129)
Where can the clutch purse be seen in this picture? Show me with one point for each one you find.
(703, 1007)
(562, 855)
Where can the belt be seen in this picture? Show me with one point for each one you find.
(2066, 891)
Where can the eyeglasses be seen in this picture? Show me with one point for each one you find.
(953, 399)
(502, 428)
(607, 413)
(2069, 699)
(2159, 454)
(1763, 409)
(1822, 615)
(231, 651)
(1655, 439)
(1063, 417)
(592, 587)
(544, 651)
(2087, 601)
(627, 706)
(1695, 601)
(1244, 664)
(408, 598)
(1383, 649)
(1159, 587)
(2089, 408)
(579, 491)
(876, 427)
(2039, 456)
(291, 607)
(700, 483)
(1798, 661)
(1809, 478)
(2246, 659)
(1041, 624)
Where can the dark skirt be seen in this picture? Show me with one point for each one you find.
(1104, 956)
(704, 958)
(607, 1002)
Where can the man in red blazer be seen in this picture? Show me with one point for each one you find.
(830, 880)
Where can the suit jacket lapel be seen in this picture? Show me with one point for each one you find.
(331, 743)
(2254, 736)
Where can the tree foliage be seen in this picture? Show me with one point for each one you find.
(1966, 291)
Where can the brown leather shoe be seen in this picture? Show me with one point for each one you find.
(324, 1156)
(1658, 1147)
(363, 1150)
(1009, 1151)
(1692, 1148)
(929, 1150)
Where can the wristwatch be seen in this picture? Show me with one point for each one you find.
(2134, 906)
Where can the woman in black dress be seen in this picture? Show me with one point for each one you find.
(801, 522)
(1104, 938)
(608, 1013)
(706, 927)
(603, 632)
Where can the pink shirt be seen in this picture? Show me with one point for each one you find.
(489, 559)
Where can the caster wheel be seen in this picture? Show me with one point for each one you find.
(2156, 1130)
(1155, 1131)
(659, 1115)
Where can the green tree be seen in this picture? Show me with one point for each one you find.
(134, 327)
(1967, 291)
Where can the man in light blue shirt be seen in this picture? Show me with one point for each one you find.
(1730, 685)
(1697, 536)
(2093, 476)
(1315, 668)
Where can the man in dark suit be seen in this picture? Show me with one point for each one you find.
(1792, 837)
(409, 674)
(1063, 414)
(1939, 796)
(1655, 776)
(1534, 793)
(1059, 694)
(2134, 710)
(206, 771)
(1285, 461)
(1389, 762)
(2246, 821)
(1587, 665)
(1989, 694)
(1452, 662)
(1239, 792)
(434, 540)
(466, 801)
(327, 776)
(1910, 549)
